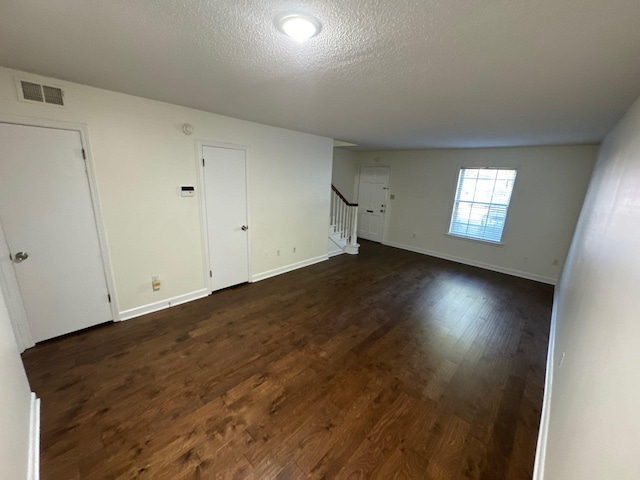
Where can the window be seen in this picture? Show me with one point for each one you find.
(482, 200)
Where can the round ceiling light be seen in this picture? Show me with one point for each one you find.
(299, 26)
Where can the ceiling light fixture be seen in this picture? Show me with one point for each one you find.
(299, 26)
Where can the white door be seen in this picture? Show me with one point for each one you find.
(47, 213)
(225, 179)
(372, 202)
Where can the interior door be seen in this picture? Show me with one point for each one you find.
(372, 202)
(47, 215)
(225, 178)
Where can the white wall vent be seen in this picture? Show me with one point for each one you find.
(35, 92)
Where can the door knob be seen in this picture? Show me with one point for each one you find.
(244, 228)
(20, 256)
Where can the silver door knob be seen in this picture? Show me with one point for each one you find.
(20, 256)
(244, 228)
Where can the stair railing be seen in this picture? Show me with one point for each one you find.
(344, 217)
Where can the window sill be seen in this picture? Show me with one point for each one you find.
(475, 240)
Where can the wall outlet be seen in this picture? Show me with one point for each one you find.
(155, 283)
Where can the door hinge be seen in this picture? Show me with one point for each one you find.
(203, 162)
(210, 274)
(109, 297)
(84, 154)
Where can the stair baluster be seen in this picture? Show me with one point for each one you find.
(344, 222)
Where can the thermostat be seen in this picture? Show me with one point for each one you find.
(187, 191)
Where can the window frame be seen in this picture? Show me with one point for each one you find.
(455, 196)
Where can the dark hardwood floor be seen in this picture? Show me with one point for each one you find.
(388, 364)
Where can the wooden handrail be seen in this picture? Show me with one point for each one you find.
(342, 197)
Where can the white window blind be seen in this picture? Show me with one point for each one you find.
(481, 204)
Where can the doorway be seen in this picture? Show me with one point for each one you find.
(47, 214)
(372, 202)
(225, 203)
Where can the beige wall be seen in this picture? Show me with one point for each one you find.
(15, 404)
(141, 158)
(344, 174)
(546, 201)
(594, 404)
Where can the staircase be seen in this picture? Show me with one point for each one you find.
(343, 225)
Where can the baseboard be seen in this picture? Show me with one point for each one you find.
(33, 468)
(336, 252)
(473, 263)
(162, 304)
(543, 431)
(288, 268)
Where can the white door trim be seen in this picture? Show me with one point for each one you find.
(82, 129)
(200, 144)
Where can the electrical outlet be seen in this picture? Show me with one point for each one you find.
(155, 283)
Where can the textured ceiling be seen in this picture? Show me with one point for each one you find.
(382, 74)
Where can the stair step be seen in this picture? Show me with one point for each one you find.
(340, 241)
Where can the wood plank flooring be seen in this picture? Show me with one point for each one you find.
(388, 364)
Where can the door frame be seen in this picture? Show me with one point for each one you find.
(385, 219)
(200, 144)
(16, 302)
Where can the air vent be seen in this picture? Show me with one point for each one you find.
(34, 92)
(52, 95)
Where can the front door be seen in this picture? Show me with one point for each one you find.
(372, 202)
(47, 215)
(225, 178)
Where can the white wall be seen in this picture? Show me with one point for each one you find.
(142, 157)
(15, 404)
(545, 204)
(345, 173)
(594, 422)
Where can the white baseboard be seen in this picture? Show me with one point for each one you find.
(335, 252)
(473, 263)
(543, 431)
(33, 468)
(162, 304)
(288, 268)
